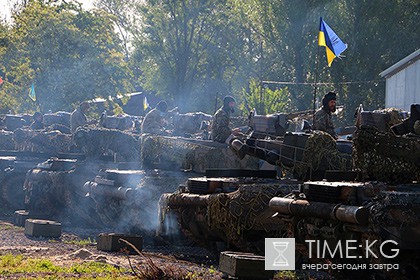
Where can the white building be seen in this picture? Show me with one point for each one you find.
(403, 82)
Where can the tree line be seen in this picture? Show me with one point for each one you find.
(192, 53)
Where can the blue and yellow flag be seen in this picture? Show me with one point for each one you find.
(31, 93)
(145, 104)
(332, 43)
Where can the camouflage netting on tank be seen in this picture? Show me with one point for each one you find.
(385, 157)
(45, 190)
(236, 213)
(396, 209)
(41, 141)
(381, 119)
(175, 153)
(96, 142)
(58, 195)
(139, 210)
(189, 122)
(6, 140)
(321, 149)
(395, 116)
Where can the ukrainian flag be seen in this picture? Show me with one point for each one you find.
(332, 43)
(31, 93)
(145, 104)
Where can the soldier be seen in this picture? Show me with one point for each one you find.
(38, 122)
(153, 122)
(322, 117)
(78, 117)
(220, 130)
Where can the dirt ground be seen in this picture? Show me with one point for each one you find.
(68, 250)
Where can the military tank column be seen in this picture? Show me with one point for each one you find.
(370, 193)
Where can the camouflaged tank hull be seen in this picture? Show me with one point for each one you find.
(386, 157)
(172, 153)
(28, 140)
(55, 189)
(237, 215)
(377, 218)
(96, 142)
(127, 199)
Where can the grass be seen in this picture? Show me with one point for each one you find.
(8, 227)
(82, 242)
(286, 275)
(20, 267)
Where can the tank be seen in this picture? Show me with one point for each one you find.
(53, 189)
(127, 199)
(224, 212)
(377, 211)
(365, 190)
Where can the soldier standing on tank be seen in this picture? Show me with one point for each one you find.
(38, 122)
(78, 117)
(322, 117)
(154, 120)
(220, 130)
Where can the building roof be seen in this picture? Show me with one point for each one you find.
(403, 63)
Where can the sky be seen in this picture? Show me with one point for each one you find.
(6, 5)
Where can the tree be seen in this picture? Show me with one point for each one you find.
(187, 50)
(120, 11)
(265, 100)
(288, 30)
(69, 55)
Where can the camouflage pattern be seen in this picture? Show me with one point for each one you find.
(29, 140)
(176, 153)
(382, 156)
(220, 127)
(6, 140)
(152, 123)
(323, 122)
(96, 142)
(77, 119)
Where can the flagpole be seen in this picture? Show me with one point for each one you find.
(315, 84)
(333, 47)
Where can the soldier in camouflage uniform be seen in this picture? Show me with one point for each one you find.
(153, 122)
(322, 117)
(220, 131)
(78, 117)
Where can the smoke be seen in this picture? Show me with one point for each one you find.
(141, 209)
(128, 204)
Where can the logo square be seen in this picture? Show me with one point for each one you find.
(279, 254)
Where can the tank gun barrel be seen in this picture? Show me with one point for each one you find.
(121, 193)
(185, 199)
(338, 212)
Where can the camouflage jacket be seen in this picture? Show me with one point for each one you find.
(323, 122)
(152, 123)
(77, 119)
(220, 129)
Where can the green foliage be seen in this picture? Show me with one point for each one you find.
(194, 52)
(82, 242)
(266, 100)
(69, 54)
(12, 265)
(189, 50)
